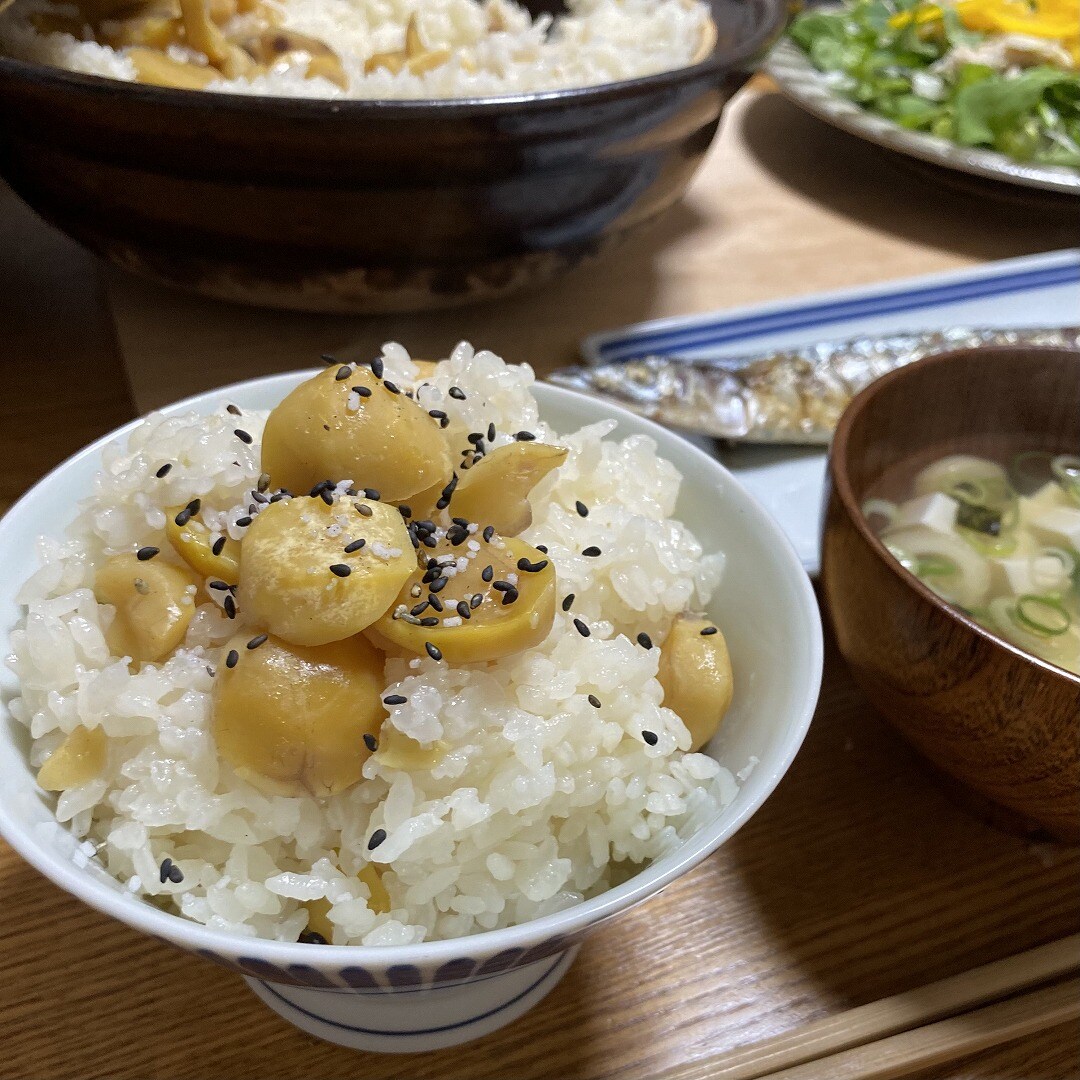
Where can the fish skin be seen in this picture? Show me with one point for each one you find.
(786, 397)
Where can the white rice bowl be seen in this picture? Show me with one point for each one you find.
(598, 41)
(540, 800)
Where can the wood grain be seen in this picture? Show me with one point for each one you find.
(64, 383)
(858, 879)
(967, 701)
(782, 207)
(865, 1026)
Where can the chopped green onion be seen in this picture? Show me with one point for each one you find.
(1066, 470)
(879, 508)
(908, 562)
(935, 566)
(982, 519)
(1030, 470)
(1044, 615)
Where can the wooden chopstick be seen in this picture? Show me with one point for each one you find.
(957, 1037)
(890, 1016)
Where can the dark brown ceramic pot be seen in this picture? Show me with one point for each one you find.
(364, 206)
(994, 717)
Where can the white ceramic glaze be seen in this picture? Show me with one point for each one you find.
(421, 997)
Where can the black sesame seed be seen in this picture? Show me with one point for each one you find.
(340, 569)
(392, 387)
(451, 487)
(220, 586)
(525, 436)
(373, 494)
(581, 508)
(363, 391)
(438, 584)
(183, 517)
(342, 373)
(444, 422)
(260, 498)
(377, 837)
(430, 574)
(395, 699)
(326, 358)
(176, 875)
(194, 506)
(356, 545)
(473, 437)
(489, 532)
(264, 482)
(491, 432)
(243, 522)
(542, 547)
(594, 701)
(430, 541)
(568, 601)
(257, 640)
(650, 737)
(327, 497)
(234, 409)
(312, 937)
(463, 522)
(510, 596)
(405, 511)
(433, 650)
(435, 602)
(371, 742)
(320, 487)
(377, 367)
(531, 567)
(437, 414)
(163, 872)
(644, 640)
(219, 545)
(476, 600)
(232, 659)
(709, 630)
(502, 586)
(230, 606)
(164, 470)
(581, 628)
(429, 620)
(145, 554)
(243, 436)
(590, 552)
(420, 608)
(487, 573)
(456, 393)
(364, 510)
(464, 610)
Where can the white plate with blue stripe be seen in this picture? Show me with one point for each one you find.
(1040, 290)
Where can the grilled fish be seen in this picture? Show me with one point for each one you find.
(791, 396)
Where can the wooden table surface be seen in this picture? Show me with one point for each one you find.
(859, 877)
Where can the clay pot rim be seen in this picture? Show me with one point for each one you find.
(741, 55)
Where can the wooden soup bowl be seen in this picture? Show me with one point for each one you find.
(992, 716)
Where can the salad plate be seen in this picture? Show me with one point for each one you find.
(822, 94)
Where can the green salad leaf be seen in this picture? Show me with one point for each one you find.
(1031, 114)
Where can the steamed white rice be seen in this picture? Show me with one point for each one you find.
(599, 41)
(541, 799)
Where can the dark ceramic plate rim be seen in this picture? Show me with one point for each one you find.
(767, 29)
(842, 485)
